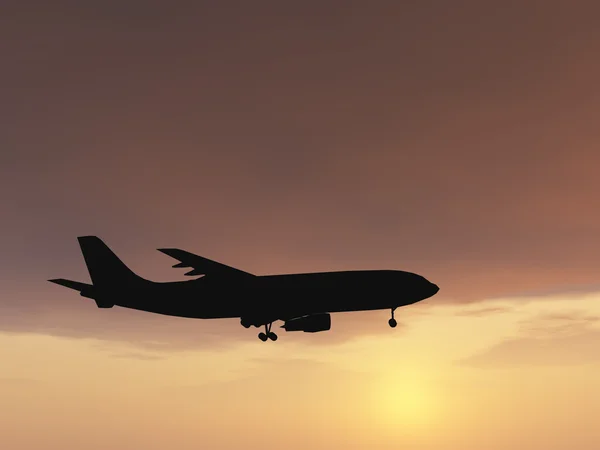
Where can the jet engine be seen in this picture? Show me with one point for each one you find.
(309, 324)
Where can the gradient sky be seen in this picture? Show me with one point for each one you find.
(458, 140)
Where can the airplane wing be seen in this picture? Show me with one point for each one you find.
(201, 265)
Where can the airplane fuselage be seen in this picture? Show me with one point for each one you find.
(281, 295)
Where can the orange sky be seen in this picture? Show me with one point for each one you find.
(457, 141)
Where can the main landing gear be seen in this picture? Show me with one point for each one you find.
(268, 334)
(392, 321)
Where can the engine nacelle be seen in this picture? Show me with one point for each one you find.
(309, 324)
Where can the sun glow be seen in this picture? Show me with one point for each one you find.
(404, 403)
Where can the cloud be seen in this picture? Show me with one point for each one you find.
(288, 393)
(484, 311)
(19, 381)
(559, 339)
(556, 351)
(138, 356)
(555, 292)
(552, 324)
(305, 374)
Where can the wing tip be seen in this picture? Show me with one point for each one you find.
(63, 282)
(88, 237)
(173, 253)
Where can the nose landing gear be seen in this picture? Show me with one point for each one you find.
(392, 322)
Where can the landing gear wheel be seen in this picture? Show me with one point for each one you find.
(268, 334)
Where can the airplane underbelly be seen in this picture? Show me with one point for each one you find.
(206, 307)
(306, 301)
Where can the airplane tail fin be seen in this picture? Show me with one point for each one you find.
(104, 266)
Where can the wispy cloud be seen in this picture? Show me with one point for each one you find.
(553, 339)
(528, 351)
(561, 323)
(484, 311)
(302, 373)
(138, 356)
(19, 381)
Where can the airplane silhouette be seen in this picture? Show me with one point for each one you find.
(304, 301)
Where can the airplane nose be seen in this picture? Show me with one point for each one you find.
(435, 287)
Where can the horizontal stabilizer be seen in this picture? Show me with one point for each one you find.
(76, 285)
(201, 265)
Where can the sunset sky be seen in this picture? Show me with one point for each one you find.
(458, 140)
